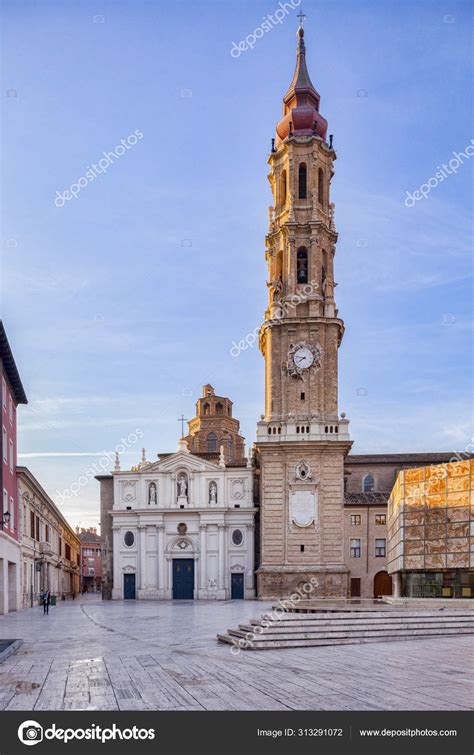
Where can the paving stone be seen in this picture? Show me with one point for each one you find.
(95, 655)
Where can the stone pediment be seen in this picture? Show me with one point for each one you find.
(182, 460)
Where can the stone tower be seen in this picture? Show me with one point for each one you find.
(301, 440)
(214, 428)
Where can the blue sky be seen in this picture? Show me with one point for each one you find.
(122, 303)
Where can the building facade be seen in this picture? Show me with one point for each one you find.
(10, 555)
(301, 441)
(50, 549)
(431, 531)
(91, 559)
(180, 527)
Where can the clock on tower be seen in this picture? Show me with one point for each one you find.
(301, 440)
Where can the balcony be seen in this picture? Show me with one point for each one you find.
(304, 429)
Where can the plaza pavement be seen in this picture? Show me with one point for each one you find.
(132, 655)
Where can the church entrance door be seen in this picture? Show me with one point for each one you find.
(183, 579)
(237, 587)
(129, 586)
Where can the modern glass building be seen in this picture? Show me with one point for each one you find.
(431, 531)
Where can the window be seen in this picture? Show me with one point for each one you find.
(381, 519)
(368, 484)
(46, 533)
(12, 514)
(4, 443)
(10, 409)
(302, 265)
(37, 529)
(219, 408)
(67, 551)
(355, 548)
(4, 393)
(32, 524)
(212, 443)
(320, 186)
(60, 543)
(355, 520)
(11, 455)
(5, 502)
(129, 539)
(283, 188)
(380, 547)
(302, 181)
(206, 409)
(237, 537)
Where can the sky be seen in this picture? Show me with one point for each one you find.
(121, 303)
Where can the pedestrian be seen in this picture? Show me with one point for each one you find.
(46, 601)
(73, 595)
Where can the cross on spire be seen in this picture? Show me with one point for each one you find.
(182, 419)
(301, 19)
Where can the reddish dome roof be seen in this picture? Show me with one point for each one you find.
(301, 113)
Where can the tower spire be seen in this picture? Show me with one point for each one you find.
(301, 116)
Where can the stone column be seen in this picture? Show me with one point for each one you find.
(142, 555)
(249, 571)
(221, 552)
(117, 590)
(203, 559)
(161, 556)
(397, 584)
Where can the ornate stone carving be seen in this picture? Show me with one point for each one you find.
(129, 490)
(237, 488)
(303, 471)
(182, 528)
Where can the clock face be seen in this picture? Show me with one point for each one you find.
(303, 358)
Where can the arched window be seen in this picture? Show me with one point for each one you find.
(368, 484)
(211, 443)
(206, 409)
(302, 265)
(230, 449)
(302, 181)
(320, 186)
(219, 408)
(283, 188)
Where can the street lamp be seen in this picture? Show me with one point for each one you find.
(6, 518)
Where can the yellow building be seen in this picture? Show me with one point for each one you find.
(431, 531)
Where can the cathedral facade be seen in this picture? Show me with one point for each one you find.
(182, 526)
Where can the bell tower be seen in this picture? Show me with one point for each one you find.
(301, 440)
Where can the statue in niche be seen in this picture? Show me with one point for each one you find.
(152, 493)
(213, 493)
(276, 290)
(182, 486)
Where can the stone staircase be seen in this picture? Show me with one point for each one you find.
(343, 627)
